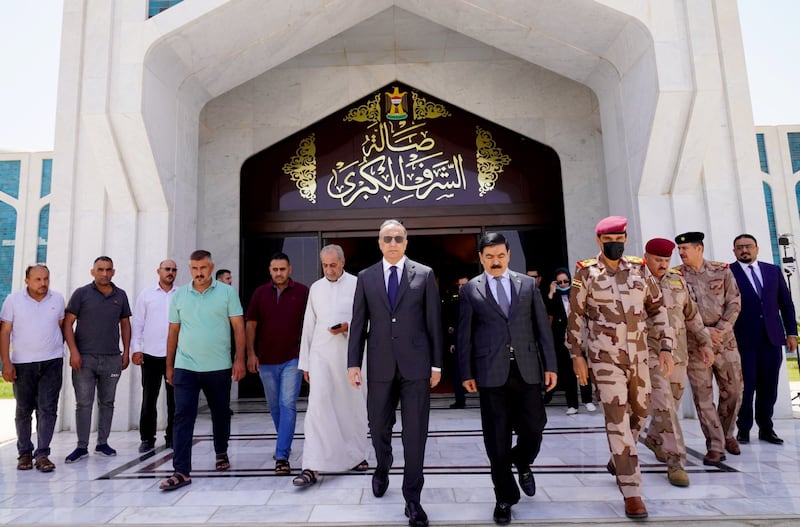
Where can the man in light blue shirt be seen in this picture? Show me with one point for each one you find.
(199, 358)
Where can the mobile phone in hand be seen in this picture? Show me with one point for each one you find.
(336, 326)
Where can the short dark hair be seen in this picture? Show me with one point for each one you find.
(280, 256)
(491, 238)
(35, 266)
(104, 259)
(745, 235)
(200, 254)
(222, 272)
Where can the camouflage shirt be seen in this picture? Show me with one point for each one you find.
(714, 289)
(611, 308)
(683, 314)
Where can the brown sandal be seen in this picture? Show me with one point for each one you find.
(363, 466)
(25, 462)
(282, 467)
(223, 463)
(43, 464)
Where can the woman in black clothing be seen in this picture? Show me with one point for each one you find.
(558, 312)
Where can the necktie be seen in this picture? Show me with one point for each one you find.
(393, 285)
(502, 298)
(756, 281)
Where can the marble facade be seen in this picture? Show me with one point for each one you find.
(646, 104)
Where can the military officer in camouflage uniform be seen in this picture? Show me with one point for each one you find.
(717, 295)
(610, 300)
(664, 435)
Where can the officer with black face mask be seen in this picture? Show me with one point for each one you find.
(611, 302)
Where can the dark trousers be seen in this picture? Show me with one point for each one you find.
(514, 407)
(37, 388)
(216, 386)
(760, 369)
(382, 399)
(154, 370)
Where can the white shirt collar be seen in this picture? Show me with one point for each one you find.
(400, 265)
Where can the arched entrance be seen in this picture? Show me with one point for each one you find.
(400, 153)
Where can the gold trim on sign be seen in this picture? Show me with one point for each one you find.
(302, 169)
(491, 160)
(369, 112)
(424, 109)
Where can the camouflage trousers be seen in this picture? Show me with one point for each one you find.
(665, 399)
(717, 422)
(623, 391)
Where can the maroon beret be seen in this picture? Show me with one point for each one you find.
(612, 225)
(659, 247)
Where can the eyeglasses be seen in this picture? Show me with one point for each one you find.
(534, 276)
(170, 269)
(397, 239)
(562, 281)
(743, 247)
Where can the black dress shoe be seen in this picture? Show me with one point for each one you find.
(416, 515)
(743, 437)
(502, 513)
(527, 483)
(380, 482)
(770, 437)
(458, 405)
(146, 446)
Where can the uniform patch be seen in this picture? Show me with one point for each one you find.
(676, 283)
(577, 283)
(583, 264)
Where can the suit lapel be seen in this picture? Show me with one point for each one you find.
(377, 277)
(409, 271)
(516, 285)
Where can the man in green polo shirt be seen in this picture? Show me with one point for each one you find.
(199, 358)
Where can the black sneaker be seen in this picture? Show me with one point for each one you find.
(105, 450)
(146, 446)
(76, 455)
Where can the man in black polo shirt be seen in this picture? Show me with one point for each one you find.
(102, 312)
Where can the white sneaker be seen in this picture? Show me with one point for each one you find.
(590, 407)
(572, 411)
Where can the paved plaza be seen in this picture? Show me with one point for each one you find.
(759, 487)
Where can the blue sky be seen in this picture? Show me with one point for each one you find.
(30, 34)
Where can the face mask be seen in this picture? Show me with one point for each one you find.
(563, 288)
(613, 250)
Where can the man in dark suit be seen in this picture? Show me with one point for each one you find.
(505, 348)
(396, 312)
(766, 322)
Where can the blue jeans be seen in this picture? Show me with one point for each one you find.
(216, 386)
(281, 387)
(37, 388)
(101, 373)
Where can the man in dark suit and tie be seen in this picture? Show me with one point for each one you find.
(766, 322)
(505, 349)
(396, 312)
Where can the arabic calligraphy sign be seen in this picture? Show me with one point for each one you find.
(399, 147)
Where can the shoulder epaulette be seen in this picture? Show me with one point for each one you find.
(635, 260)
(718, 264)
(583, 264)
(676, 270)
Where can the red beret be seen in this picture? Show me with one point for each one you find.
(659, 247)
(612, 225)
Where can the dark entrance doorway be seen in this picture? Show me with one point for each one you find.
(448, 175)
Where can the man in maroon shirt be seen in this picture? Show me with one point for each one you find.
(274, 326)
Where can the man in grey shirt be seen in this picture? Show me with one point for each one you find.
(102, 313)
